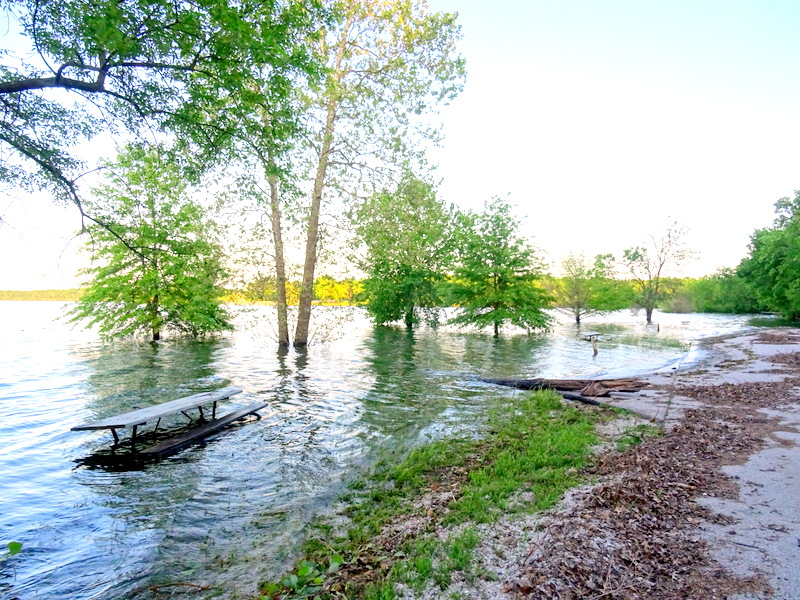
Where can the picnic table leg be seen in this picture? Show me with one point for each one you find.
(202, 416)
(133, 439)
(116, 437)
(214, 410)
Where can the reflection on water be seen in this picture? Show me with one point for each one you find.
(230, 512)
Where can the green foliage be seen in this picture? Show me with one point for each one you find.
(588, 290)
(772, 268)
(649, 340)
(495, 281)
(14, 548)
(304, 582)
(155, 264)
(408, 238)
(389, 66)
(647, 266)
(143, 65)
(726, 291)
(635, 435)
(328, 290)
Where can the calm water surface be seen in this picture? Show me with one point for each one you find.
(230, 512)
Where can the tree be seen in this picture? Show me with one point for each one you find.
(156, 266)
(647, 266)
(726, 291)
(588, 290)
(408, 238)
(143, 65)
(495, 280)
(388, 63)
(773, 266)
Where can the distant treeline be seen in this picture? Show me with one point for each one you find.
(60, 295)
(723, 292)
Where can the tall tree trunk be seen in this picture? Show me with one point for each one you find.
(312, 236)
(281, 304)
(649, 314)
(156, 329)
(280, 263)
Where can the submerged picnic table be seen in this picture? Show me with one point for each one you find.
(156, 412)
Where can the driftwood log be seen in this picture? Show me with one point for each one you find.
(585, 387)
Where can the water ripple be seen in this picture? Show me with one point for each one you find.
(230, 512)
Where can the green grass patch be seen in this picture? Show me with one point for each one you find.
(633, 436)
(607, 328)
(772, 322)
(532, 451)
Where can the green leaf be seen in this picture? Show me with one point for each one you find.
(304, 570)
(14, 548)
(160, 270)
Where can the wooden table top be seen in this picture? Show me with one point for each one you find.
(150, 413)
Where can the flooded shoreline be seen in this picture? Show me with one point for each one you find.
(230, 512)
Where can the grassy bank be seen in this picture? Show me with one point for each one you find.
(412, 523)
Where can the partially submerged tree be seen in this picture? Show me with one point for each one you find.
(588, 290)
(407, 234)
(495, 281)
(647, 266)
(388, 63)
(155, 265)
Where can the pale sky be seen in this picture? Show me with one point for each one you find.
(605, 119)
(601, 120)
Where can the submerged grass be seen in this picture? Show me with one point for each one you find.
(772, 321)
(411, 522)
(650, 341)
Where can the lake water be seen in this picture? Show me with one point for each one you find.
(231, 512)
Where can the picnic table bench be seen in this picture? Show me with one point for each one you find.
(156, 412)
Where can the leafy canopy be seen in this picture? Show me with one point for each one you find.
(496, 277)
(773, 267)
(648, 265)
(188, 68)
(725, 291)
(155, 267)
(585, 290)
(407, 234)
